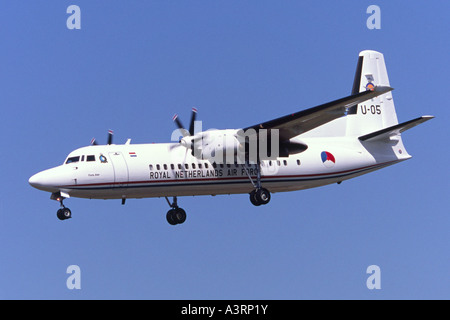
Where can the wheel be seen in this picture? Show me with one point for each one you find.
(170, 216)
(179, 215)
(64, 213)
(59, 214)
(253, 199)
(176, 216)
(262, 196)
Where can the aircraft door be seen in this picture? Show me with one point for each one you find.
(120, 168)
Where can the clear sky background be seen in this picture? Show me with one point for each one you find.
(134, 64)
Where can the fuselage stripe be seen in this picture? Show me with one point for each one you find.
(224, 180)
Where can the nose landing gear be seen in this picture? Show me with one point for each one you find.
(63, 213)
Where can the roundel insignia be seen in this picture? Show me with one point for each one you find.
(370, 86)
(328, 159)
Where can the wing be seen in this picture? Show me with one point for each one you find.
(300, 122)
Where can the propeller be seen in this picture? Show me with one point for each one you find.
(188, 136)
(110, 136)
(180, 126)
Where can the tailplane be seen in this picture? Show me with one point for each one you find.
(391, 133)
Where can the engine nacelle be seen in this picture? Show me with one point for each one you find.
(229, 146)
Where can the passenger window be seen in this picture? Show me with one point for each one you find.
(193, 166)
(206, 165)
(150, 166)
(158, 167)
(179, 166)
(186, 166)
(285, 162)
(298, 162)
(73, 159)
(165, 166)
(90, 158)
(172, 166)
(199, 165)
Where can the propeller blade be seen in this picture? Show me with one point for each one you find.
(110, 135)
(180, 126)
(178, 122)
(191, 126)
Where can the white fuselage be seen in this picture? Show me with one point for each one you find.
(168, 169)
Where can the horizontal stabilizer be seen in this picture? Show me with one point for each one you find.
(394, 130)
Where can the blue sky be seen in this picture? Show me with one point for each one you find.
(134, 64)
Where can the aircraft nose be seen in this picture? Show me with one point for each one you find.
(47, 180)
(36, 180)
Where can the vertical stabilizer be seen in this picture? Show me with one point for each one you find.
(376, 113)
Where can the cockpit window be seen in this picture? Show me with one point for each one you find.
(90, 158)
(73, 159)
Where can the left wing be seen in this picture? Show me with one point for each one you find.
(300, 122)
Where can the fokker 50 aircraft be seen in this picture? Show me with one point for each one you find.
(330, 143)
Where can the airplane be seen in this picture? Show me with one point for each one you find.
(326, 144)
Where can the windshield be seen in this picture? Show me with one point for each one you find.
(73, 159)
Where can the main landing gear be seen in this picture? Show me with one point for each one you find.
(175, 215)
(260, 195)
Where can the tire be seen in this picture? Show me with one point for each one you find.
(64, 213)
(59, 214)
(253, 199)
(170, 216)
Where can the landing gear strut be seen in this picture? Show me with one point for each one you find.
(260, 195)
(175, 215)
(63, 213)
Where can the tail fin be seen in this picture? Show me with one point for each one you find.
(379, 112)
